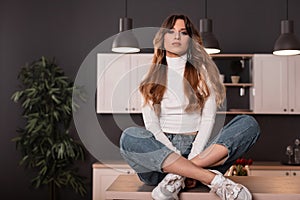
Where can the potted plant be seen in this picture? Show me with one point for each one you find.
(240, 168)
(45, 142)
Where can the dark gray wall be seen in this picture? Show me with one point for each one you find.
(70, 29)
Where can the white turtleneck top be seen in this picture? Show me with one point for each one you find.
(173, 118)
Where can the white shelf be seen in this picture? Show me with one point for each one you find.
(233, 55)
(235, 113)
(238, 84)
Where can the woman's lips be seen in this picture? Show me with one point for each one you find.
(176, 43)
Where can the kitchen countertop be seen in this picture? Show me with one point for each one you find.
(111, 164)
(272, 188)
(259, 165)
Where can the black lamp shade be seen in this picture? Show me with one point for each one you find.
(209, 40)
(125, 41)
(287, 43)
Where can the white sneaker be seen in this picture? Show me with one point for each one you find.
(168, 188)
(226, 189)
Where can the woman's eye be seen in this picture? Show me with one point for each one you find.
(184, 33)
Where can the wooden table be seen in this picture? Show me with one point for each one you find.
(262, 188)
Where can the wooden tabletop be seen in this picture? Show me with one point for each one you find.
(262, 188)
(259, 165)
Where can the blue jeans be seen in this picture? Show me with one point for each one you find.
(146, 155)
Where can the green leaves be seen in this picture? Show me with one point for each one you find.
(44, 142)
(16, 96)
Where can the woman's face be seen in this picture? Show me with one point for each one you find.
(176, 40)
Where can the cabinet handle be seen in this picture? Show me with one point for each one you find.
(294, 174)
(253, 91)
(133, 109)
(126, 109)
(242, 91)
(284, 110)
(292, 110)
(287, 174)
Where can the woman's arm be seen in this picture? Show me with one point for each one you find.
(152, 124)
(205, 127)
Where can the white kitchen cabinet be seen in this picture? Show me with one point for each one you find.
(276, 84)
(118, 78)
(294, 84)
(274, 172)
(273, 169)
(105, 175)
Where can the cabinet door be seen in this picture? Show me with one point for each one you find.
(140, 64)
(295, 173)
(270, 84)
(113, 83)
(119, 77)
(270, 173)
(294, 84)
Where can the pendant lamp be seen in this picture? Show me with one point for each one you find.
(209, 40)
(287, 43)
(125, 41)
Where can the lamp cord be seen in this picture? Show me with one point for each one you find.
(205, 12)
(287, 9)
(125, 8)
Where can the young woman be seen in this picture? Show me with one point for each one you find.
(181, 93)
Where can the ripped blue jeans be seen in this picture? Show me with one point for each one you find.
(146, 155)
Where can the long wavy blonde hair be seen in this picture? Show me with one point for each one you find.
(201, 74)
